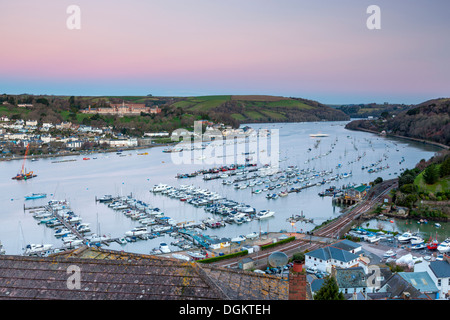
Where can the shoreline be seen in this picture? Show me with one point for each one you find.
(87, 152)
(436, 144)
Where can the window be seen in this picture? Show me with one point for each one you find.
(439, 282)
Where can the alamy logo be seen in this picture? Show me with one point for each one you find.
(74, 279)
(373, 280)
(73, 22)
(374, 21)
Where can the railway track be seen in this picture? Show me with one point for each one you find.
(329, 231)
(334, 228)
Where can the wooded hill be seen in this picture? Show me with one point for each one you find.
(429, 121)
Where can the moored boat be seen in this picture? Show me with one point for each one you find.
(35, 196)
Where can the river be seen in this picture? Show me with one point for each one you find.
(81, 181)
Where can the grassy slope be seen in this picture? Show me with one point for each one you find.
(254, 107)
(442, 185)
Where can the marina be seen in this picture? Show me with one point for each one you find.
(89, 185)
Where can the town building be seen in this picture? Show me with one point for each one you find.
(324, 259)
(123, 109)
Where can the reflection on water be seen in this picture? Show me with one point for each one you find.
(81, 181)
(425, 230)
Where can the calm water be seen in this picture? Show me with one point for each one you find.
(81, 181)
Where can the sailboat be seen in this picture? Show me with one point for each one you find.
(23, 174)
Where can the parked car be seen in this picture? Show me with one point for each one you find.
(311, 270)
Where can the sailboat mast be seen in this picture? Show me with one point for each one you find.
(25, 159)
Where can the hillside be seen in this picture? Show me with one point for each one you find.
(372, 109)
(176, 111)
(249, 109)
(425, 188)
(428, 121)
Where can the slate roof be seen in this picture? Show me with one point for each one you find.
(420, 280)
(111, 275)
(351, 278)
(441, 269)
(329, 252)
(396, 285)
(346, 245)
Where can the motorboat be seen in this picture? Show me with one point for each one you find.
(389, 254)
(137, 231)
(416, 240)
(263, 214)
(42, 214)
(238, 239)
(444, 246)
(160, 187)
(405, 237)
(106, 198)
(418, 246)
(373, 238)
(252, 235)
(196, 255)
(37, 248)
(96, 238)
(164, 247)
(73, 243)
(35, 196)
(84, 227)
(62, 232)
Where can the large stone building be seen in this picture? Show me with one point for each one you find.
(123, 109)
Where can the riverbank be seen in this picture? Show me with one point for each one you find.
(440, 145)
(84, 152)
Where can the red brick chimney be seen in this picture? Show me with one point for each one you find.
(297, 286)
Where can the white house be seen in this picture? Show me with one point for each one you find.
(324, 259)
(439, 272)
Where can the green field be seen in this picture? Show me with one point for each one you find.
(441, 186)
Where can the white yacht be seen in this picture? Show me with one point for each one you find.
(138, 231)
(164, 247)
(416, 240)
(405, 237)
(238, 239)
(160, 187)
(37, 248)
(444, 246)
(252, 235)
(263, 214)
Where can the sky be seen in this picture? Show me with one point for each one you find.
(318, 49)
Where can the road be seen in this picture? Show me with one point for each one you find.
(322, 236)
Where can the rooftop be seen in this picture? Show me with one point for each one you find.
(111, 275)
(330, 252)
(441, 269)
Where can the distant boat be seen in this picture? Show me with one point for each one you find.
(35, 196)
(23, 174)
(318, 135)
